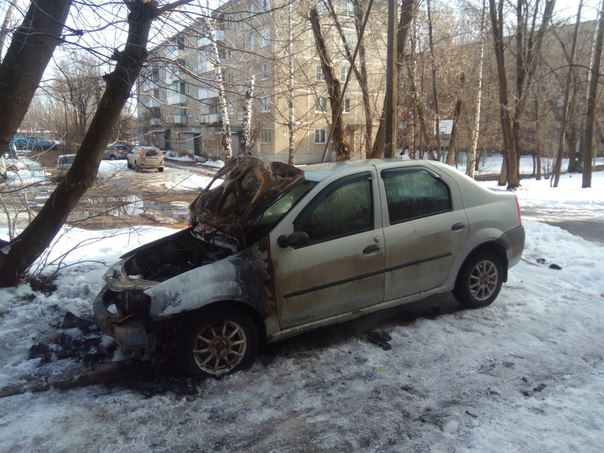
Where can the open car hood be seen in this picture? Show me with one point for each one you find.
(250, 186)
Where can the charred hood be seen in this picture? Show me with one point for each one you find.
(249, 187)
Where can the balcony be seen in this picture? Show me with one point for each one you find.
(180, 120)
(154, 121)
(210, 118)
(176, 98)
(207, 93)
(151, 103)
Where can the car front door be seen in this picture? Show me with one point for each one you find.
(340, 267)
(424, 231)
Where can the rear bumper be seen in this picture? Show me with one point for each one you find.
(513, 242)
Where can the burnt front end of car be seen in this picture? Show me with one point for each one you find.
(124, 315)
(123, 308)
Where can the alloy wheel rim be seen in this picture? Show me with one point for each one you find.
(484, 280)
(219, 347)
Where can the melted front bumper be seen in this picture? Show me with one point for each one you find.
(129, 332)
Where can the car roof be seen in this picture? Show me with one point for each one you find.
(318, 172)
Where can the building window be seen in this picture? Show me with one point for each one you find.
(321, 105)
(319, 73)
(155, 75)
(346, 106)
(320, 136)
(347, 8)
(180, 42)
(251, 42)
(264, 71)
(351, 39)
(343, 73)
(265, 38)
(266, 136)
(265, 5)
(265, 104)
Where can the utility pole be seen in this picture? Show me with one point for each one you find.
(391, 81)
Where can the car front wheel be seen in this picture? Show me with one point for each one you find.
(479, 281)
(219, 342)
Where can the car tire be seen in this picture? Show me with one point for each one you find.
(137, 167)
(218, 342)
(160, 169)
(479, 280)
(111, 157)
(129, 165)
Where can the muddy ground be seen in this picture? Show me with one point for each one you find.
(123, 198)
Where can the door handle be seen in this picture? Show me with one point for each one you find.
(458, 226)
(371, 249)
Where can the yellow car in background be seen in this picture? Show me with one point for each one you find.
(146, 158)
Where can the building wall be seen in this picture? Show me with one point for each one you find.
(177, 90)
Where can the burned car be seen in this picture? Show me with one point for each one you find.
(275, 250)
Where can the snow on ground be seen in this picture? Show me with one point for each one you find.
(525, 374)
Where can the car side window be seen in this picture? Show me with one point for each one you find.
(343, 208)
(413, 193)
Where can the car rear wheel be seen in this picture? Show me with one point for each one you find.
(218, 342)
(112, 157)
(160, 169)
(137, 167)
(479, 280)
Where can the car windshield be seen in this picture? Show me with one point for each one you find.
(277, 210)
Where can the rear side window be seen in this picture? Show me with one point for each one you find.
(413, 193)
(342, 209)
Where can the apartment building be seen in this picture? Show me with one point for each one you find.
(179, 106)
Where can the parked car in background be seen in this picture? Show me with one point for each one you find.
(64, 163)
(116, 151)
(33, 143)
(146, 158)
(276, 251)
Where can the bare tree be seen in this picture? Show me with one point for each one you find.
(476, 124)
(528, 40)
(566, 101)
(31, 48)
(407, 12)
(334, 89)
(591, 102)
(21, 252)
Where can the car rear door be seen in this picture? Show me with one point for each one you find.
(341, 267)
(425, 226)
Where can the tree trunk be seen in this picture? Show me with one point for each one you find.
(26, 59)
(360, 70)
(7, 17)
(21, 252)
(434, 90)
(246, 126)
(407, 12)
(452, 147)
(591, 102)
(224, 111)
(291, 123)
(476, 129)
(566, 106)
(334, 90)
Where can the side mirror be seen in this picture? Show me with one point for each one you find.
(295, 240)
